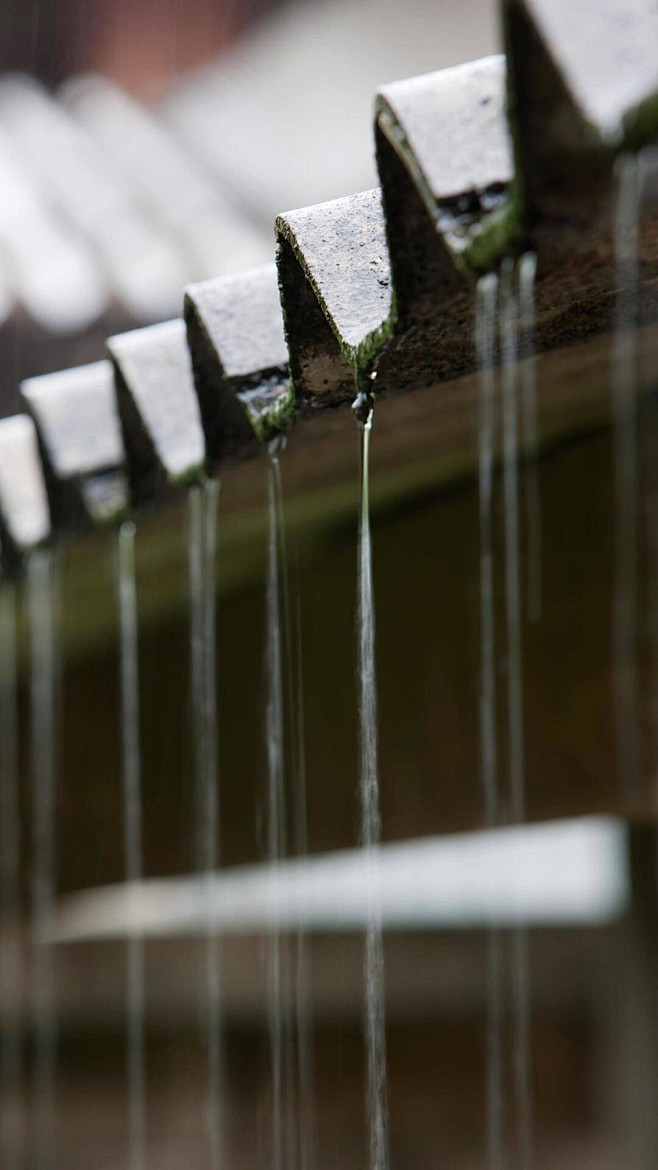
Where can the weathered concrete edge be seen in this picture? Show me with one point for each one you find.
(638, 127)
(233, 427)
(358, 356)
(488, 235)
(20, 431)
(148, 475)
(73, 496)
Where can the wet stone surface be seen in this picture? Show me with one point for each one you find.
(336, 291)
(80, 438)
(158, 407)
(24, 512)
(239, 356)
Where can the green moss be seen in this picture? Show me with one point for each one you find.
(498, 234)
(189, 476)
(273, 417)
(362, 355)
(640, 125)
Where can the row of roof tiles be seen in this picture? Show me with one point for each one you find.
(476, 163)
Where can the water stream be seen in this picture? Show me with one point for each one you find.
(486, 310)
(499, 305)
(527, 270)
(521, 1005)
(301, 1134)
(509, 357)
(375, 1005)
(303, 974)
(289, 977)
(648, 182)
(274, 726)
(132, 821)
(486, 320)
(203, 503)
(43, 680)
(12, 1120)
(624, 406)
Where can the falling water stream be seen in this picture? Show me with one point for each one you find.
(12, 1119)
(648, 181)
(375, 1022)
(527, 270)
(515, 730)
(132, 805)
(203, 502)
(493, 315)
(487, 292)
(624, 389)
(43, 670)
(486, 319)
(274, 727)
(288, 970)
(300, 1137)
(509, 353)
(305, 1076)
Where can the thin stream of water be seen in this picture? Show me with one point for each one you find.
(515, 729)
(212, 858)
(197, 621)
(527, 269)
(289, 996)
(491, 317)
(522, 1001)
(303, 973)
(509, 352)
(12, 1120)
(275, 808)
(43, 677)
(203, 503)
(375, 1022)
(487, 292)
(624, 405)
(651, 527)
(486, 318)
(301, 1135)
(131, 764)
(648, 179)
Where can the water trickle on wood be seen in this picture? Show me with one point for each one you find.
(12, 1121)
(43, 679)
(202, 550)
(132, 835)
(375, 1006)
